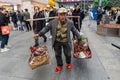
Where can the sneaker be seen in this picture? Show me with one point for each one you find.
(50, 37)
(58, 69)
(69, 66)
(4, 49)
(14, 28)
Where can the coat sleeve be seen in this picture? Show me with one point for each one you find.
(43, 21)
(45, 29)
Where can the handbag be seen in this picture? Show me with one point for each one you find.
(5, 30)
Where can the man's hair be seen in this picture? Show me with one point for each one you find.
(26, 9)
(1, 8)
(76, 4)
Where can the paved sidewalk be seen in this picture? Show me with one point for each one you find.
(104, 64)
(109, 56)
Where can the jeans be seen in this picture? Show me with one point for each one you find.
(28, 26)
(4, 40)
(15, 24)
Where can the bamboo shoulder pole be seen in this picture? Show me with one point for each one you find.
(52, 18)
(31, 20)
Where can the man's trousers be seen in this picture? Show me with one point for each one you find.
(58, 46)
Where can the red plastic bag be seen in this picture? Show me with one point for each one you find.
(5, 30)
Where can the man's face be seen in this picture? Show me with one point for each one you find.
(2, 11)
(76, 7)
(62, 16)
(99, 8)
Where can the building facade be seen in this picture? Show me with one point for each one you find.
(70, 3)
(11, 4)
(31, 4)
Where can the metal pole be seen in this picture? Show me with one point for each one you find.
(115, 45)
(100, 2)
(84, 5)
(78, 22)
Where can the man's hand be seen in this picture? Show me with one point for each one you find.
(36, 36)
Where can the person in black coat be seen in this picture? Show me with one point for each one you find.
(99, 15)
(77, 12)
(4, 38)
(7, 16)
(118, 20)
(20, 16)
(38, 25)
(14, 19)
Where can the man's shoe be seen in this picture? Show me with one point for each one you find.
(15, 28)
(45, 39)
(69, 66)
(4, 50)
(58, 69)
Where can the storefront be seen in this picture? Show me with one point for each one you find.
(40, 5)
(11, 4)
(7, 6)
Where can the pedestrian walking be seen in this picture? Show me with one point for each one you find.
(118, 20)
(38, 25)
(14, 19)
(4, 38)
(90, 14)
(7, 16)
(61, 39)
(26, 17)
(99, 15)
(107, 17)
(117, 14)
(77, 12)
(46, 13)
(20, 16)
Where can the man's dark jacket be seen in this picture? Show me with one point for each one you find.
(2, 21)
(78, 13)
(38, 25)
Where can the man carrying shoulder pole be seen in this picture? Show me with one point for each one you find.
(61, 38)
